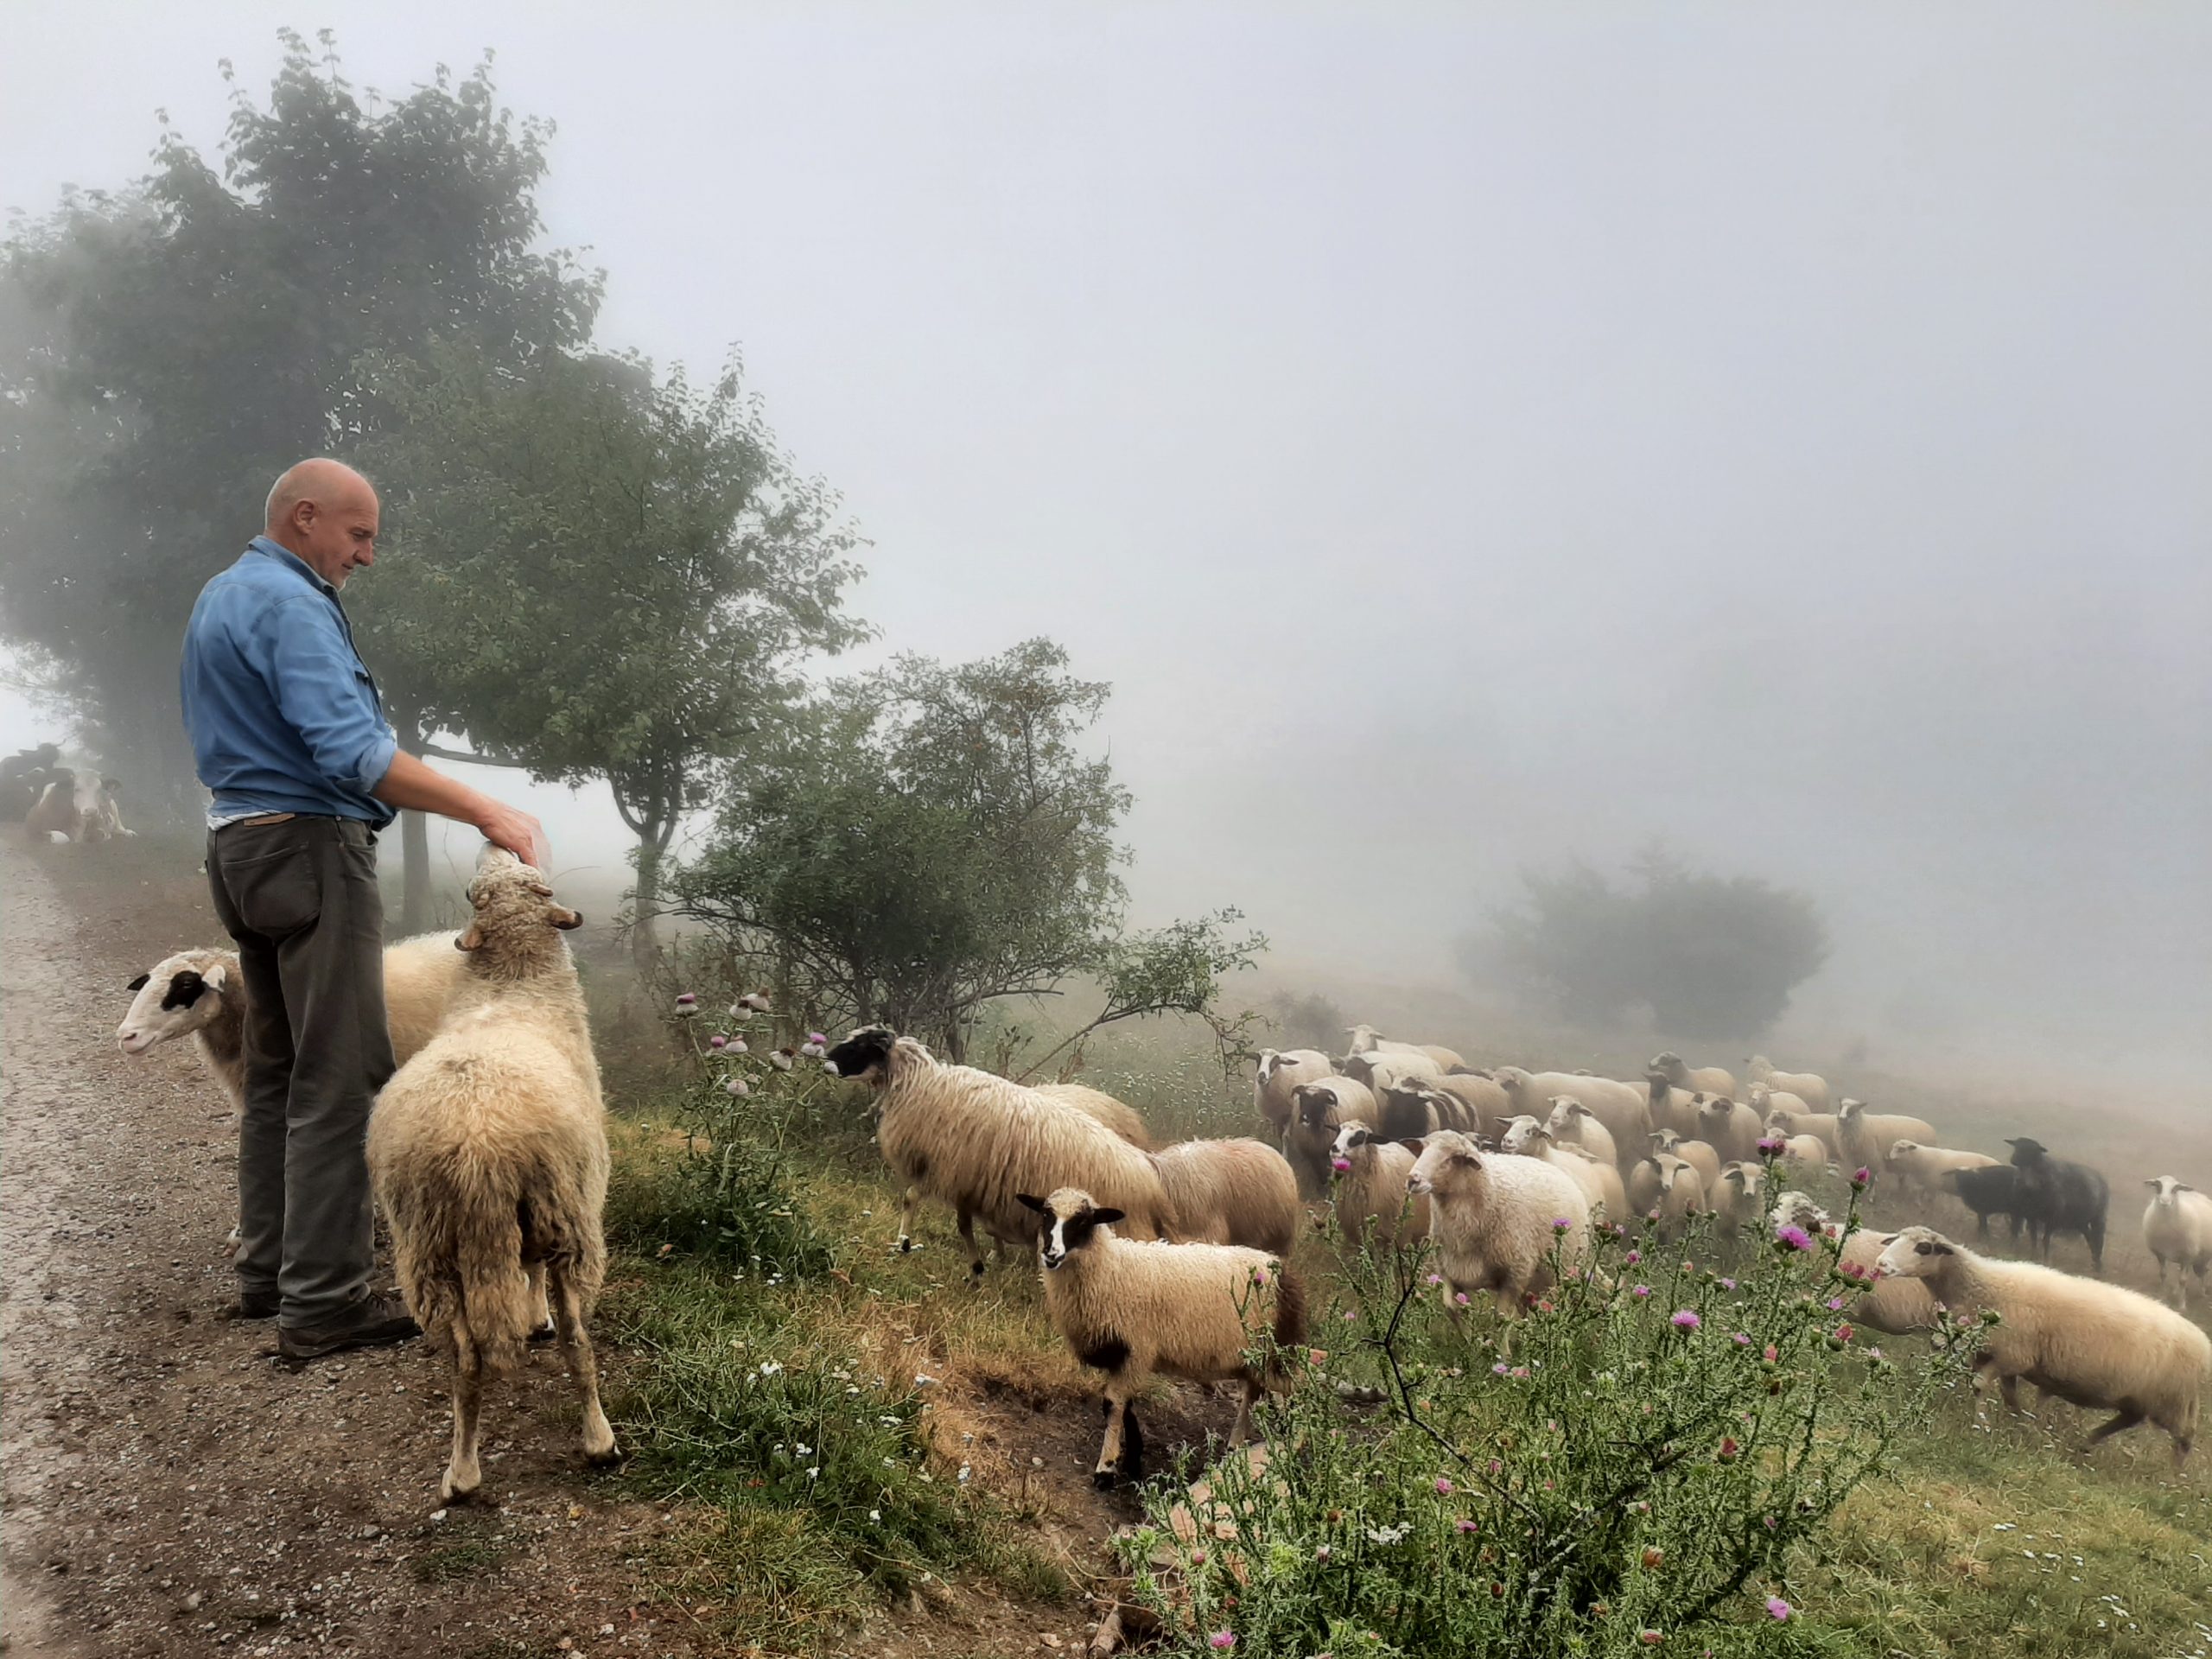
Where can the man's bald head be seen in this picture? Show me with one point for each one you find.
(325, 512)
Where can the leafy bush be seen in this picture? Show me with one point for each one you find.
(1640, 1466)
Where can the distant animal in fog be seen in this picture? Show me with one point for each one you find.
(2058, 1197)
(2177, 1228)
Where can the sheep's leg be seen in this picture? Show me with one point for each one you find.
(2009, 1386)
(1241, 1430)
(906, 1202)
(2123, 1420)
(968, 1237)
(1109, 1449)
(583, 1365)
(462, 1476)
(542, 1324)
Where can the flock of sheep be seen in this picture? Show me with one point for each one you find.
(57, 803)
(489, 1159)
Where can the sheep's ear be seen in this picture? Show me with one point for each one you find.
(214, 977)
(139, 983)
(1030, 1202)
(563, 919)
(2183, 1186)
(2153, 1185)
(1415, 1146)
(1106, 1217)
(472, 938)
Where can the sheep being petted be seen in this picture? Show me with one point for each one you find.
(1131, 1310)
(1237, 1191)
(488, 1154)
(974, 1143)
(1495, 1219)
(2177, 1230)
(2097, 1345)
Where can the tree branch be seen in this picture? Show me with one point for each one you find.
(434, 751)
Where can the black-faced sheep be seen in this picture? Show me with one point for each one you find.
(975, 1142)
(488, 1154)
(1408, 1111)
(2054, 1196)
(1279, 1074)
(2097, 1345)
(2177, 1230)
(1323, 1106)
(1131, 1310)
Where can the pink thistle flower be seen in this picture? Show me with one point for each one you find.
(1795, 1238)
(717, 1041)
(1741, 1339)
(1633, 1257)
(1686, 1319)
(1777, 1608)
(686, 1000)
(1861, 1176)
(1222, 1640)
(1443, 1487)
(1835, 1304)
(1560, 1224)
(1642, 1292)
(1727, 1284)
(1341, 1165)
(1464, 1527)
(1772, 1354)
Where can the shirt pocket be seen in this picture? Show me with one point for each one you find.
(275, 893)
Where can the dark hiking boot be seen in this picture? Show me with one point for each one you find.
(369, 1323)
(251, 1304)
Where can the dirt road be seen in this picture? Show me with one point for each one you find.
(168, 1488)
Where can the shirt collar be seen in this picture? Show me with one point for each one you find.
(285, 555)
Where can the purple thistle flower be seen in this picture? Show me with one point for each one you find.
(1222, 1639)
(686, 1000)
(817, 1040)
(1465, 1526)
(1771, 1144)
(1633, 1257)
(717, 1041)
(1835, 1304)
(1727, 1284)
(1795, 1238)
(1443, 1487)
(1777, 1608)
(1859, 1177)
(1741, 1339)
(1685, 1320)
(1499, 1368)
(1642, 1292)
(1341, 1165)
(1560, 1224)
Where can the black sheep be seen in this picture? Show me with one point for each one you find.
(1992, 1189)
(2055, 1196)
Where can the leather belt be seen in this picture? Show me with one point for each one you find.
(271, 817)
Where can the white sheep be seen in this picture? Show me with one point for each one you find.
(1239, 1191)
(1896, 1306)
(1808, 1086)
(2097, 1345)
(1323, 1106)
(1280, 1073)
(1495, 1218)
(1708, 1079)
(976, 1142)
(1117, 1116)
(1622, 1108)
(1804, 1152)
(1131, 1310)
(1670, 1108)
(1767, 1101)
(1737, 1198)
(1573, 1124)
(1700, 1155)
(1864, 1138)
(1926, 1169)
(2177, 1229)
(1682, 1193)
(488, 1154)
(1370, 1190)
(1600, 1182)
(1383, 1072)
(1730, 1129)
(1365, 1039)
(1821, 1126)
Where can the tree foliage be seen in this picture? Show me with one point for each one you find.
(939, 842)
(1711, 957)
(166, 350)
(600, 573)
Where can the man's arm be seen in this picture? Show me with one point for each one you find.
(409, 784)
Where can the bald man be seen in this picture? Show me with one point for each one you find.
(291, 741)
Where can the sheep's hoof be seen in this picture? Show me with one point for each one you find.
(451, 1489)
(905, 1243)
(545, 1332)
(1105, 1477)
(611, 1452)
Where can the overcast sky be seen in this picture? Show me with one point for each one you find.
(1465, 438)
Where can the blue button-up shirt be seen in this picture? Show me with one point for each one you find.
(283, 714)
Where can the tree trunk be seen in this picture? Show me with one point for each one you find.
(645, 930)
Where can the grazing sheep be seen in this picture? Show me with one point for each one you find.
(2177, 1228)
(1406, 1111)
(1622, 1108)
(1821, 1126)
(2055, 1196)
(488, 1154)
(1278, 1075)
(1573, 1124)
(1600, 1181)
(976, 1142)
(1230, 1192)
(1730, 1128)
(1670, 1108)
(1682, 1193)
(1897, 1308)
(1710, 1079)
(1116, 1115)
(1994, 1192)
(1131, 1310)
(1494, 1218)
(1863, 1139)
(2097, 1345)
(1365, 1039)
(1737, 1199)
(1923, 1168)
(1323, 1106)
(1699, 1154)
(1371, 1188)
(1807, 1086)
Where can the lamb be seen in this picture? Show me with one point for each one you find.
(1600, 1181)
(1496, 1219)
(2177, 1230)
(1116, 1115)
(1230, 1192)
(1731, 1129)
(977, 1142)
(1371, 1188)
(1923, 1168)
(1323, 1106)
(1365, 1039)
(2055, 1196)
(1573, 1124)
(1278, 1075)
(1711, 1080)
(1622, 1108)
(1994, 1192)
(2100, 1346)
(1808, 1086)
(1189, 1309)
(487, 1151)
(1863, 1139)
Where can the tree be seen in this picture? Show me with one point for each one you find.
(937, 842)
(600, 574)
(167, 350)
(1711, 957)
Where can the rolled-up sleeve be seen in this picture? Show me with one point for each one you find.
(324, 694)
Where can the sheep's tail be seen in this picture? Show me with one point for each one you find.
(459, 1253)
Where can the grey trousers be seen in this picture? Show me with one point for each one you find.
(299, 898)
